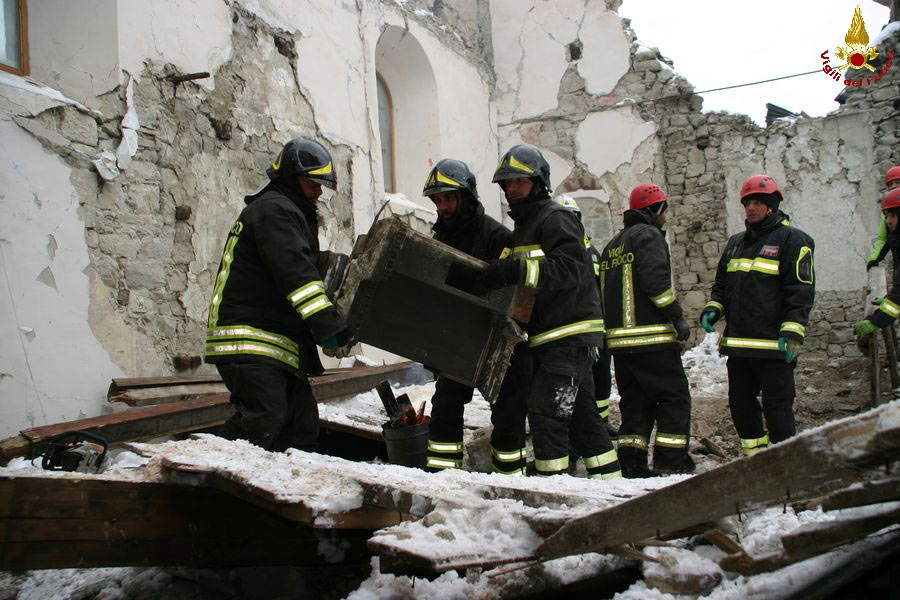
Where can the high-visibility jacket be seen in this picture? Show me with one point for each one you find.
(765, 287)
(639, 303)
(548, 240)
(889, 309)
(269, 303)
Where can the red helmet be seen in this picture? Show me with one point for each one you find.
(891, 199)
(760, 184)
(646, 194)
(892, 174)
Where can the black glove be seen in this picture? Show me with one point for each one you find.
(501, 273)
(339, 340)
(682, 330)
(871, 263)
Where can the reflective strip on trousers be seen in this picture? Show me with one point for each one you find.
(445, 447)
(794, 328)
(749, 343)
(594, 325)
(220, 349)
(639, 330)
(752, 446)
(664, 299)
(632, 441)
(510, 456)
(613, 475)
(671, 440)
(600, 460)
(555, 465)
(517, 472)
(443, 463)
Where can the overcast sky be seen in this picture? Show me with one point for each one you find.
(715, 43)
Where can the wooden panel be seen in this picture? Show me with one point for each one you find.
(56, 522)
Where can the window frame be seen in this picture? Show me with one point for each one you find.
(390, 110)
(22, 10)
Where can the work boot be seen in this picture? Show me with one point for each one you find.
(669, 461)
(634, 463)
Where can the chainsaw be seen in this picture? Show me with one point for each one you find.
(74, 451)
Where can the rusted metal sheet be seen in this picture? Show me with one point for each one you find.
(416, 297)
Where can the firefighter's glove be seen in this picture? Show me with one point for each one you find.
(871, 263)
(339, 340)
(502, 273)
(864, 328)
(682, 330)
(791, 346)
(708, 319)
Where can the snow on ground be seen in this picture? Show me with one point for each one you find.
(705, 368)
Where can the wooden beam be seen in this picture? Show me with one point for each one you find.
(807, 465)
(56, 522)
(871, 492)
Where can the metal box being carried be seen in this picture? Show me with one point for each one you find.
(411, 295)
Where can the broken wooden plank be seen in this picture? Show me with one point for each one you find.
(63, 522)
(807, 465)
(146, 396)
(123, 384)
(870, 492)
(723, 541)
(810, 541)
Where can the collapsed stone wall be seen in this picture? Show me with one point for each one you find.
(830, 169)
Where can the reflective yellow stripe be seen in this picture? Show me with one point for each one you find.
(532, 272)
(639, 330)
(228, 332)
(313, 306)
(321, 170)
(517, 164)
(604, 413)
(664, 299)
(733, 342)
(532, 251)
(613, 475)
(628, 318)
(446, 447)
(632, 441)
(517, 472)
(671, 440)
(448, 180)
(504, 253)
(803, 252)
(596, 269)
(593, 325)
(646, 340)
(890, 308)
(752, 446)
(223, 349)
(309, 290)
(762, 265)
(609, 457)
(603, 403)
(224, 271)
(443, 463)
(509, 456)
(715, 305)
(793, 327)
(556, 464)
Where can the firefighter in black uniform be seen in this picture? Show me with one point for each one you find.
(269, 308)
(548, 255)
(601, 369)
(463, 225)
(765, 287)
(644, 325)
(889, 306)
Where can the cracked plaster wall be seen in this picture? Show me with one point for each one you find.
(138, 229)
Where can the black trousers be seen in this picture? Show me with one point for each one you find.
(508, 413)
(747, 377)
(602, 385)
(274, 409)
(562, 411)
(654, 389)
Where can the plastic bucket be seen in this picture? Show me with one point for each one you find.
(407, 445)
